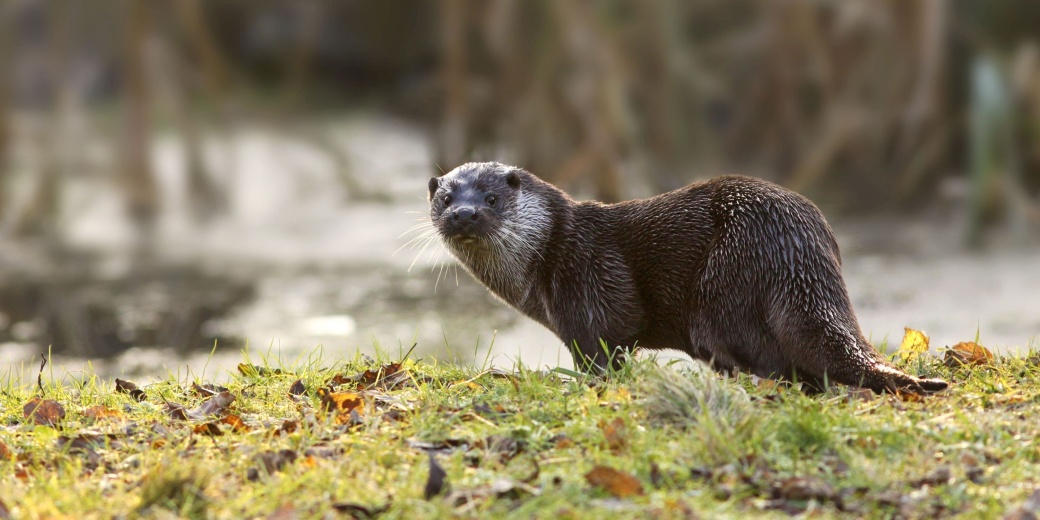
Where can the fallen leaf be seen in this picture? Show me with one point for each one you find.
(768, 385)
(914, 344)
(176, 411)
(617, 483)
(215, 427)
(85, 444)
(909, 397)
(805, 488)
(288, 426)
(323, 452)
(562, 442)
(616, 434)
(297, 390)
(503, 445)
(102, 412)
(207, 389)
(341, 402)
(656, 476)
(127, 387)
(215, 405)
(6, 453)
(359, 511)
(46, 412)
(387, 376)
(436, 483)
(286, 512)
(967, 353)
(937, 477)
(860, 394)
(272, 462)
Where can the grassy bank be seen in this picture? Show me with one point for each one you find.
(416, 440)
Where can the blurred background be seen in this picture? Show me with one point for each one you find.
(183, 176)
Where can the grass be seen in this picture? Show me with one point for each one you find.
(646, 442)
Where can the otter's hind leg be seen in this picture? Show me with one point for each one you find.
(843, 356)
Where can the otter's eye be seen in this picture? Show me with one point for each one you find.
(447, 200)
(491, 200)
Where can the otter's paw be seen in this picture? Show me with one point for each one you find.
(914, 385)
(891, 379)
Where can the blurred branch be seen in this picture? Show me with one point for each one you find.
(136, 178)
(39, 214)
(6, 75)
(201, 37)
(454, 78)
(301, 54)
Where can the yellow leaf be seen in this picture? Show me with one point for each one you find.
(469, 384)
(617, 483)
(914, 344)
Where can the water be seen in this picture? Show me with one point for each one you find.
(300, 267)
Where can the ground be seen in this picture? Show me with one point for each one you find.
(376, 438)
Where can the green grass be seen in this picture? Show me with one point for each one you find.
(521, 444)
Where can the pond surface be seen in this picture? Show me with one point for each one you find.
(297, 270)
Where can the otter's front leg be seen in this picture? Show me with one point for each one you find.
(593, 354)
(596, 344)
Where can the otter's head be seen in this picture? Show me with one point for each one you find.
(488, 216)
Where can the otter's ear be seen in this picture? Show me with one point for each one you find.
(434, 184)
(513, 179)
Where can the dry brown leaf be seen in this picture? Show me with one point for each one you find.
(563, 442)
(909, 397)
(805, 488)
(914, 344)
(616, 434)
(237, 425)
(387, 376)
(437, 481)
(128, 387)
(6, 453)
(216, 405)
(860, 394)
(102, 412)
(359, 511)
(46, 412)
(207, 389)
(937, 477)
(297, 390)
(176, 411)
(617, 483)
(967, 353)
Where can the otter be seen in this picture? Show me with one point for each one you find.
(735, 271)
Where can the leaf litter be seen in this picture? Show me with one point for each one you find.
(506, 437)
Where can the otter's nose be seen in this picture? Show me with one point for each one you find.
(465, 215)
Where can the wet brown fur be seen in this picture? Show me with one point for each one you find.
(735, 271)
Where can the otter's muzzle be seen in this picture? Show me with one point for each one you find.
(465, 216)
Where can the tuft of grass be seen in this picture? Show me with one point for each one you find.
(323, 438)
